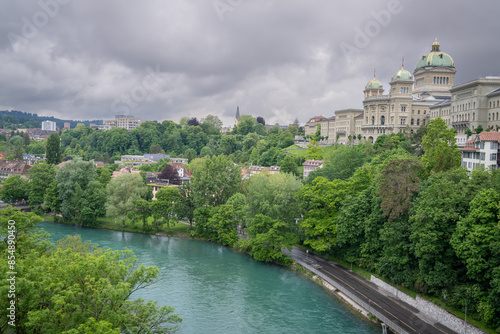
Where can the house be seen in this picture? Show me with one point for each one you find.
(252, 170)
(32, 159)
(125, 170)
(311, 165)
(13, 167)
(482, 151)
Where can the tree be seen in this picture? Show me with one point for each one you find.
(322, 201)
(123, 193)
(215, 181)
(246, 125)
(14, 189)
(468, 132)
(223, 222)
(313, 150)
(479, 129)
(165, 206)
(186, 206)
(41, 176)
(51, 198)
(289, 164)
(170, 173)
(267, 237)
(193, 122)
(143, 210)
(190, 154)
(214, 121)
(441, 152)
(399, 182)
(436, 211)
(53, 149)
(77, 189)
(75, 287)
(103, 175)
(206, 151)
(156, 149)
(261, 120)
(344, 162)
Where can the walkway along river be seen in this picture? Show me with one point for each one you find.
(217, 290)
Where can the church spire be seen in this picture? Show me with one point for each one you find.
(237, 112)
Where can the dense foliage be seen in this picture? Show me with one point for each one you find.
(74, 287)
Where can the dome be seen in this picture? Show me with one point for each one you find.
(402, 74)
(436, 58)
(373, 84)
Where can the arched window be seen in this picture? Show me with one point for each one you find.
(418, 122)
(447, 80)
(382, 120)
(373, 120)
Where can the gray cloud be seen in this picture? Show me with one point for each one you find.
(277, 59)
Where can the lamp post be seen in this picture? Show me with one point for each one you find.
(465, 323)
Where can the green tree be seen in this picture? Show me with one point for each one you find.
(223, 222)
(41, 176)
(399, 182)
(15, 188)
(53, 149)
(322, 201)
(51, 198)
(76, 287)
(213, 121)
(123, 193)
(215, 181)
(313, 150)
(344, 162)
(267, 237)
(441, 152)
(289, 164)
(165, 206)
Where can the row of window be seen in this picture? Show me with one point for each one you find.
(495, 104)
(464, 106)
(441, 80)
(493, 116)
(404, 90)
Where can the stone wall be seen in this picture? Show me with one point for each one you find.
(429, 309)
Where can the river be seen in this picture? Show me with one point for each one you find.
(215, 289)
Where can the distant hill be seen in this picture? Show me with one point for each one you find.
(20, 120)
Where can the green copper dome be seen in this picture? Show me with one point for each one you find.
(436, 58)
(373, 84)
(402, 74)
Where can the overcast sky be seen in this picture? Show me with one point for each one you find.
(280, 59)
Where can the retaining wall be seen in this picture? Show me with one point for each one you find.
(429, 309)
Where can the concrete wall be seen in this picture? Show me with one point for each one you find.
(429, 309)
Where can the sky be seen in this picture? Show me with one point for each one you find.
(279, 59)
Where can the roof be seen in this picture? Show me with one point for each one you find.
(402, 74)
(14, 166)
(435, 58)
(483, 136)
(493, 93)
(316, 119)
(313, 163)
(373, 84)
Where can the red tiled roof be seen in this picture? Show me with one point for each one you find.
(490, 136)
(316, 119)
(313, 163)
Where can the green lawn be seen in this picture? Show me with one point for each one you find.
(302, 152)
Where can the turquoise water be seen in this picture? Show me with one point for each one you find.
(217, 290)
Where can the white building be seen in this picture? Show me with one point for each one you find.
(48, 126)
(481, 151)
(128, 122)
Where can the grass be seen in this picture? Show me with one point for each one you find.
(303, 151)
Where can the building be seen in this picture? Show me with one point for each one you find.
(13, 167)
(312, 125)
(128, 122)
(482, 151)
(311, 165)
(413, 100)
(139, 160)
(49, 126)
(252, 170)
(67, 125)
(32, 159)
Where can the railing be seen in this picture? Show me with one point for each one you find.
(358, 301)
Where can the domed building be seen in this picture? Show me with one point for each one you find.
(434, 73)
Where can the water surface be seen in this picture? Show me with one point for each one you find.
(217, 290)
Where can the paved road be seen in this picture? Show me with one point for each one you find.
(395, 310)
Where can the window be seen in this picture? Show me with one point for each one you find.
(493, 157)
(373, 120)
(482, 145)
(494, 145)
(418, 122)
(382, 120)
(403, 109)
(411, 122)
(482, 156)
(418, 112)
(403, 121)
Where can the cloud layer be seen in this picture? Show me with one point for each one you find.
(281, 59)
